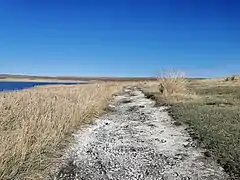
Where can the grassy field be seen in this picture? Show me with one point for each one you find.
(36, 124)
(211, 108)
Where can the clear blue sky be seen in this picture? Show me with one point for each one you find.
(119, 37)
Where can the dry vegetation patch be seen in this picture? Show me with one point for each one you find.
(170, 87)
(36, 123)
(233, 78)
(173, 82)
(212, 111)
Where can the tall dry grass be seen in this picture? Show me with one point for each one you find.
(35, 124)
(172, 82)
(172, 85)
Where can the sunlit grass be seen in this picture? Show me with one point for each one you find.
(35, 124)
(212, 111)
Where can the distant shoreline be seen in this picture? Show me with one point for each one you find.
(37, 80)
(26, 78)
(4, 77)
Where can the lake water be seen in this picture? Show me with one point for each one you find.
(11, 86)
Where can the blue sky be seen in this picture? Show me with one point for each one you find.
(119, 37)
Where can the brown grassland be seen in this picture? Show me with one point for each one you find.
(210, 108)
(36, 124)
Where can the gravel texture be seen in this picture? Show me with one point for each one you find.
(136, 140)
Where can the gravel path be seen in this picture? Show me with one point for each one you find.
(136, 140)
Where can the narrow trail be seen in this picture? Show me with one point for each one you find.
(136, 140)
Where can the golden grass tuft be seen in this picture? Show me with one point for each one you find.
(35, 124)
(173, 84)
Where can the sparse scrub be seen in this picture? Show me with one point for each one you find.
(35, 124)
(214, 115)
(232, 78)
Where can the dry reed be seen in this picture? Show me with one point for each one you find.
(173, 82)
(35, 123)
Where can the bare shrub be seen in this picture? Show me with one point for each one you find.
(232, 78)
(172, 82)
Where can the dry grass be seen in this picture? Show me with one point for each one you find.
(35, 124)
(172, 85)
(212, 115)
(172, 82)
(232, 78)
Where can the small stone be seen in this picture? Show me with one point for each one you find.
(176, 174)
(133, 149)
(132, 108)
(207, 154)
(89, 151)
(177, 123)
(185, 178)
(152, 125)
(126, 101)
(163, 141)
(147, 172)
(110, 108)
(186, 144)
(179, 156)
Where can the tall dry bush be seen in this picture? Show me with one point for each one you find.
(173, 82)
(172, 85)
(35, 123)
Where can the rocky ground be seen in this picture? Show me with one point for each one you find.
(136, 140)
